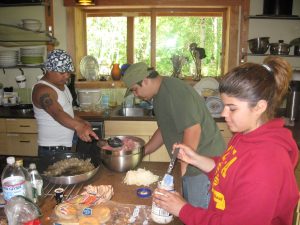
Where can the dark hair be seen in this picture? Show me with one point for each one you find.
(152, 73)
(252, 82)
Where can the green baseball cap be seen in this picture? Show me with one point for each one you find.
(134, 74)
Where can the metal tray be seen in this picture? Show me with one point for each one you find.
(69, 179)
(72, 179)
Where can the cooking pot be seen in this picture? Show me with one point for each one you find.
(122, 159)
(74, 179)
(259, 45)
(279, 48)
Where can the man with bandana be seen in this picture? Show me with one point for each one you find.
(52, 105)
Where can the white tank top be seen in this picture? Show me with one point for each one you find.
(50, 132)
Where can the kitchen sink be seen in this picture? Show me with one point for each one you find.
(135, 112)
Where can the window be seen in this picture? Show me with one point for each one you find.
(156, 37)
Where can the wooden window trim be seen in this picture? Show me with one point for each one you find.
(236, 17)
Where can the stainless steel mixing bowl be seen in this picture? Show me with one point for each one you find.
(259, 45)
(123, 160)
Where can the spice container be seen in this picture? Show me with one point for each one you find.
(158, 214)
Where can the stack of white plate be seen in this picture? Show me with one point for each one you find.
(32, 55)
(9, 58)
(32, 24)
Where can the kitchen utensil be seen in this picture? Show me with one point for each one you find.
(168, 178)
(44, 163)
(259, 45)
(279, 48)
(123, 159)
(115, 142)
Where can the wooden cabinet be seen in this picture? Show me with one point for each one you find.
(226, 133)
(18, 137)
(141, 129)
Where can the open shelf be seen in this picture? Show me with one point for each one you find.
(251, 54)
(275, 17)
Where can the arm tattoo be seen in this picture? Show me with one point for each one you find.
(45, 101)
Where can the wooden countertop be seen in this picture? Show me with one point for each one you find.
(123, 193)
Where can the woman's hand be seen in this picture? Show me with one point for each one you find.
(185, 153)
(189, 156)
(169, 201)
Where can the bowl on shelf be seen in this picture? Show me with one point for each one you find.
(259, 45)
(280, 48)
(32, 24)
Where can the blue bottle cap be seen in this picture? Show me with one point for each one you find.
(143, 192)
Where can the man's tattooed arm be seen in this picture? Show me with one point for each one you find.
(45, 101)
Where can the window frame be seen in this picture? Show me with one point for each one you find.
(153, 14)
(235, 24)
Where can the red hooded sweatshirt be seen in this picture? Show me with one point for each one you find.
(253, 182)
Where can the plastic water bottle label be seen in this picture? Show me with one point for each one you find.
(13, 186)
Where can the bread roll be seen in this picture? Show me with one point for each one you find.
(102, 213)
(66, 211)
(88, 220)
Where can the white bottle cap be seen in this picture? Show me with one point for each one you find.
(32, 166)
(10, 160)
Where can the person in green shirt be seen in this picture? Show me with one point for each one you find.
(182, 117)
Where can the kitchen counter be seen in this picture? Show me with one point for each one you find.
(123, 193)
(5, 112)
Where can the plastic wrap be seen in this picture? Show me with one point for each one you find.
(119, 214)
(20, 210)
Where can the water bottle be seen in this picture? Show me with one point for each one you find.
(36, 182)
(13, 180)
(19, 163)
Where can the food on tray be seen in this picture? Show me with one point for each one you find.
(66, 211)
(69, 167)
(127, 145)
(93, 195)
(88, 220)
(140, 177)
(102, 191)
(102, 213)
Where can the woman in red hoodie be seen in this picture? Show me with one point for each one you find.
(253, 182)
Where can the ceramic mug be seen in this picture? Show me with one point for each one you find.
(21, 81)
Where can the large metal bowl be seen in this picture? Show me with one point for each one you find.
(259, 45)
(123, 160)
(74, 179)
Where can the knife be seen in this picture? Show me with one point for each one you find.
(173, 160)
(168, 178)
